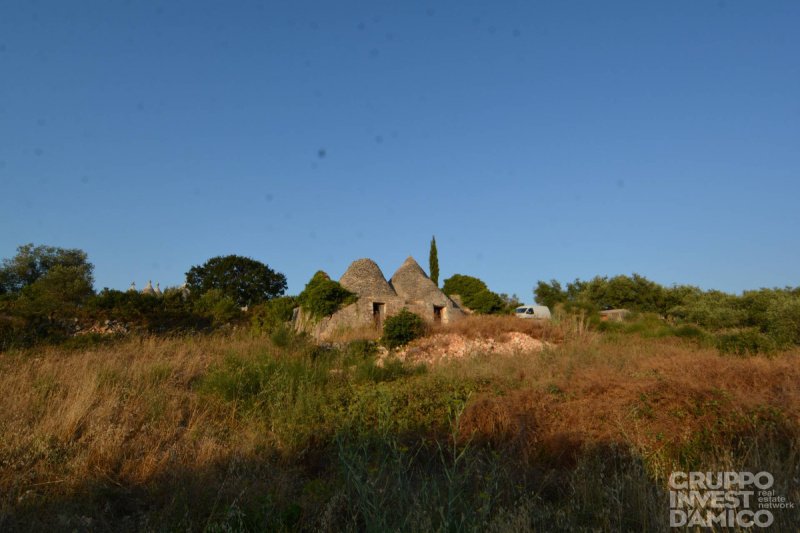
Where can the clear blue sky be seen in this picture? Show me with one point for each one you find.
(535, 140)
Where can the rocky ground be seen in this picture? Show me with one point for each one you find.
(446, 346)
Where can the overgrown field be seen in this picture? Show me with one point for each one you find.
(233, 432)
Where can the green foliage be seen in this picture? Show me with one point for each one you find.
(271, 315)
(244, 280)
(34, 262)
(59, 289)
(43, 293)
(510, 302)
(433, 262)
(170, 313)
(402, 328)
(549, 294)
(746, 341)
(757, 321)
(362, 348)
(690, 331)
(474, 293)
(783, 319)
(221, 308)
(635, 293)
(322, 296)
(712, 310)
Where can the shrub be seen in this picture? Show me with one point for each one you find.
(747, 341)
(712, 310)
(402, 328)
(281, 337)
(322, 296)
(170, 313)
(690, 331)
(271, 315)
(220, 308)
(362, 348)
(783, 320)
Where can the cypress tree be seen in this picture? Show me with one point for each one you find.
(433, 261)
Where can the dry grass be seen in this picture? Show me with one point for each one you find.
(128, 417)
(123, 413)
(343, 336)
(654, 395)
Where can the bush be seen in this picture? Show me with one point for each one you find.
(362, 348)
(748, 341)
(402, 328)
(711, 310)
(690, 331)
(322, 296)
(170, 313)
(272, 315)
(783, 320)
(220, 308)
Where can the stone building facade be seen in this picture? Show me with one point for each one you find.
(409, 288)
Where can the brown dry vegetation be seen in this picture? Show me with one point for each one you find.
(195, 433)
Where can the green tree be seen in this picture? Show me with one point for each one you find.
(44, 289)
(31, 263)
(322, 296)
(474, 294)
(61, 287)
(433, 262)
(510, 302)
(713, 310)
(243, 280)
(549, 294)
(635, 292)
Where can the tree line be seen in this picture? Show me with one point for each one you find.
(47, 295)
(771, 316)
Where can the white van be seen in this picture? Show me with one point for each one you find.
(532, 311)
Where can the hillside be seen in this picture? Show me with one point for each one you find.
(235, 432)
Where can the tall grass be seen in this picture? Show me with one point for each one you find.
(232, 432)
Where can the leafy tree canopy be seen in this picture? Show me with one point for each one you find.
(549, 294)
(474, 294)
(635, 293)
(243, 280)
(322, 296)
(33, 263)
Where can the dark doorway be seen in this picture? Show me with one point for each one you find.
(437, 314)
(378, 311)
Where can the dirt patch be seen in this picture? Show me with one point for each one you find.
(446, 346)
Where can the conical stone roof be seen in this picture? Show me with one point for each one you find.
(149, 288)
(364, 277)
(411, 282)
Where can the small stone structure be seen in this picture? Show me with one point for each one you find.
(614, 315)
(409, 288)
(149, 290)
